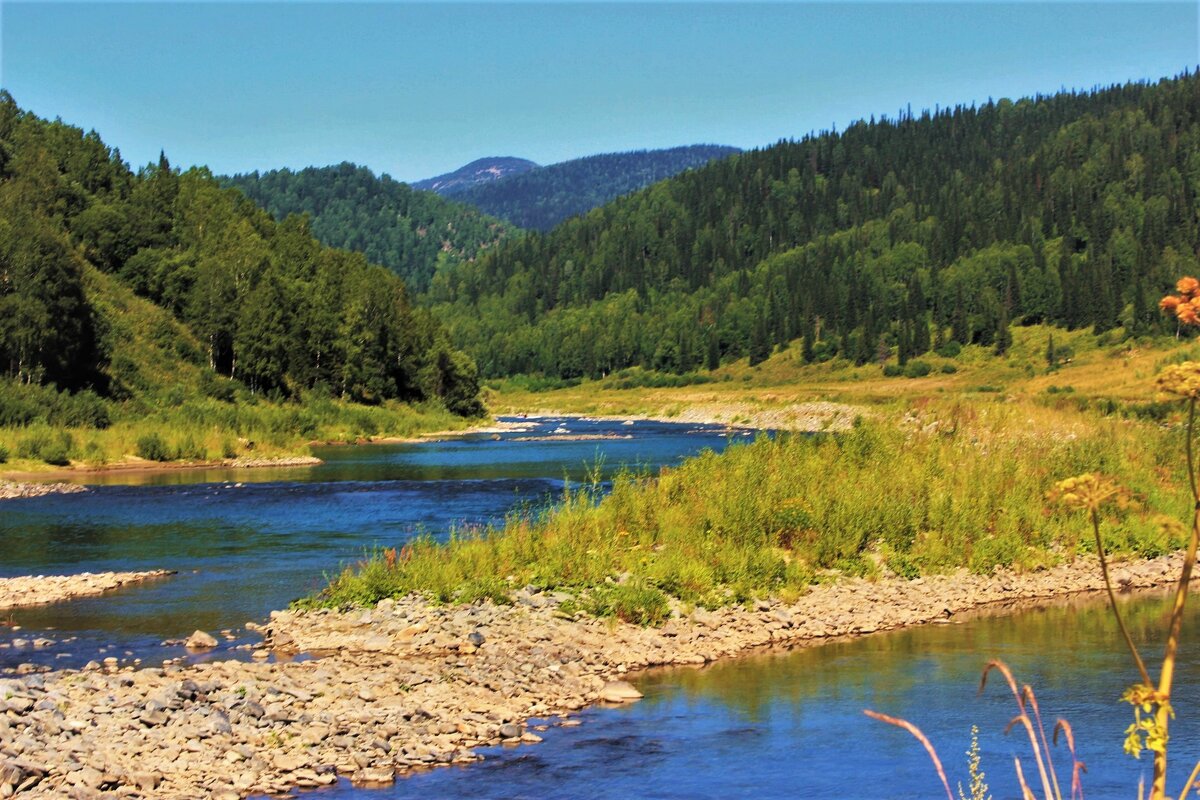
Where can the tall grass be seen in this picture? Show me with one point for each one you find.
(206, 429)
(772, 517)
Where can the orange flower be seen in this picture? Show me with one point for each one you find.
(1186, 313)
(1169, 303)
(1187, 285)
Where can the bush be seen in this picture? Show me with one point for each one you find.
(950, 349)
(631, 602)
(45, 445)
(892, 370)
(949, 369)
(152, 448)
(917, 369)
(81, 410)
(3, 454)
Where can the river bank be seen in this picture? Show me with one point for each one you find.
(30, 481)
(407, 684)
(765, 413)
(39, 590)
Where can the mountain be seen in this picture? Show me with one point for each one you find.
(541, 198)
(478, 172)
(883, 240)
(147, 288)
(411, 232)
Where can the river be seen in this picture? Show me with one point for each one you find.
(785, 724)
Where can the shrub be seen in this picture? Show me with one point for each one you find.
(3, 454)
(152, 448)
(45, 445)
(949, 369)
(892, 370)
(917, 369)
(950, 349)
(630, 602)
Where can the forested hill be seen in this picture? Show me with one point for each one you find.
(541, 198)
(882, 240)
(412, 232)
(138, 286)
(481, 170)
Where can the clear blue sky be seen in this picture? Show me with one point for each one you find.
(418, 89)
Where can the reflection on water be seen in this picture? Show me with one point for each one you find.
(791, 724)
(258, 539)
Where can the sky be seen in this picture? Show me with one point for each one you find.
(415, 90)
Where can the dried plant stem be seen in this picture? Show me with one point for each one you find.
(1112, 597)
(1158, 789)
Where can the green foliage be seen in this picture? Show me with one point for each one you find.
(1063, 209)
(44, 444)
(917, 369)
(411, 232)
(151, 287)
(769, 517)
(631, 602)
(152, 447)
(950, 349)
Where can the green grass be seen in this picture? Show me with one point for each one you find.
(181, 428)
(962, 486)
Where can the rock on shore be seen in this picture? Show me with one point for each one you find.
(38, 590)
(407, 685)
(12, 490)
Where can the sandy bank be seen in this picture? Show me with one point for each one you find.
(138, 466)
(39, 590)
(408, 685)
(811, 417)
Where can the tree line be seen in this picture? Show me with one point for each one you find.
(889, 238)
(271, 307)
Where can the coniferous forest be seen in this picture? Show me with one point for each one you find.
(885, 240)
(412, 232)
(235, 293)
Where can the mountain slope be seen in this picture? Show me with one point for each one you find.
(542, 198)
(148, 286)
(883, 240)
(411, 232)
(480, 171)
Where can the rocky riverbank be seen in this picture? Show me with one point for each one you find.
(39, 590)
(813, 417)
(407, 684)
(249, 462)
(14, 490)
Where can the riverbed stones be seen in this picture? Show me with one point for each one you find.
(199, 640)
(36, 590)
(422, 697)
(618, 692)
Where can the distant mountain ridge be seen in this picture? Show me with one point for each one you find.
(538, 198)
(478, 172)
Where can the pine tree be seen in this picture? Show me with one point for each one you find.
(1003, 337)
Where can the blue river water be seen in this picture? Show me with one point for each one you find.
(245, 542)
(786, 724)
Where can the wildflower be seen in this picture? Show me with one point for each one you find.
(1187, 286)
(1170, 302)
(1181, 380)
(1186, 313)
(1089, 492)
